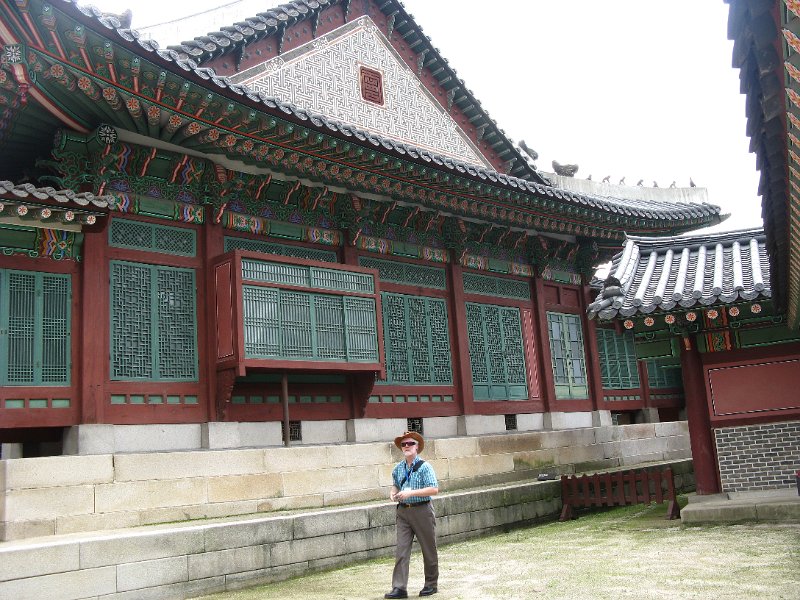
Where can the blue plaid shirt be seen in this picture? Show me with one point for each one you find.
(422, 478)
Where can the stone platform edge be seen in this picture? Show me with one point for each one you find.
(74, 494)
(188, 559)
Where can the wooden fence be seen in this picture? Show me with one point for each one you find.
(621, 488)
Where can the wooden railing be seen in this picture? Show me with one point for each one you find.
(621, 488)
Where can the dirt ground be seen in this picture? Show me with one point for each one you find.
(627, 552)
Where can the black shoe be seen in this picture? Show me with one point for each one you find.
(396, 593)
(428, 590)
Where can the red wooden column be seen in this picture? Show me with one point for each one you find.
(644, 383)
(349, 254)
(532, 339)
(593, 372)
(543, 341)
(94, 335)
(213, 245)
(700, 434)
(462, 370)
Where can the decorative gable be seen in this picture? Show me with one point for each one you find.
(353, 74)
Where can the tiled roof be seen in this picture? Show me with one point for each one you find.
(191, 54)
(27, 191)
(234, 37)
(644, 209)
(680, 272)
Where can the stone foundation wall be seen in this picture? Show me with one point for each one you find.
(758, 457)
(71, 494)
(190, 559)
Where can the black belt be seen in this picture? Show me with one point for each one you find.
(410, 504)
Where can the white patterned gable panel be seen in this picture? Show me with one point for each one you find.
(323, 76)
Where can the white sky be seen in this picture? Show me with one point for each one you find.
(637, 88)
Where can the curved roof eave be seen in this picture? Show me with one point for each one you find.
(708, 214)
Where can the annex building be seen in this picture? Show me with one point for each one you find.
(728, 304)
(302, 225)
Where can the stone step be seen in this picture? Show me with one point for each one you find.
(779, 505)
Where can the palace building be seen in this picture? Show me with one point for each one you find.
(304, 227)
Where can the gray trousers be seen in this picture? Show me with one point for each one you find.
(419, 521)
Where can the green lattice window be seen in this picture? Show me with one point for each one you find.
(153, 322)
(304, 276)
(234, 243)
(499, 287)
(150, 237)
(664, 374)
(407, 273)
(496, 352)
(566, 352)
(416, 340)
(35, 328)
(618, 364)
(286, 324)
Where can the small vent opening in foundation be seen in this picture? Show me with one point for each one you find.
(511, 422)
(414, 424)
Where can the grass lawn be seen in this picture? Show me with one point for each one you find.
(629, 552)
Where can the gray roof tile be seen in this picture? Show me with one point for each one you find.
(681, 272)
(27, 191)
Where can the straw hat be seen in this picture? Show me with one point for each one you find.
(414, 436)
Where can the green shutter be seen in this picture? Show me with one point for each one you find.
(360, 321)
(56, 328)
(516, 373)
(296, 325)
(395, 338)
(285, 324)
(437, 327)
(416, 340)
(35, 343)
(261, 321)
(22, 318)
(496, 352)
(131, 321)
(618, 364)
(567, 356)
(153, 322)
(664, 374)
(176, 325)
(419, 350)
(329, 318)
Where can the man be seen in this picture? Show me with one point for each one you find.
(414, 484)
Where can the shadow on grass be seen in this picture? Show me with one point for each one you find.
(638, 516)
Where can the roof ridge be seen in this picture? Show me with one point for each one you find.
(697, 238)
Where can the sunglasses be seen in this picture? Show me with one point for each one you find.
(406, 444)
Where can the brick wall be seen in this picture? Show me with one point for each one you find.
(758, 457)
